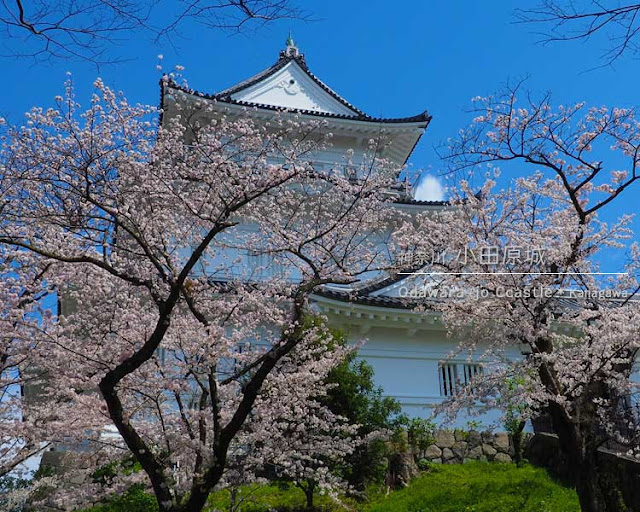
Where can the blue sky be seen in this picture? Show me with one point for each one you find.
(387, 59)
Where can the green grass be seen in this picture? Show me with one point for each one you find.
(271, 497)
(472, 487)
(480, 487)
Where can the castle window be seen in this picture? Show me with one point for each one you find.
(453, 376)
(471, 371)
(448, 379)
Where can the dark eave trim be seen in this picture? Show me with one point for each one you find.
(418, 202)
(424, 118)
(562, 304)
(357, 298)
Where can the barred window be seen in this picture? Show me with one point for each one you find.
(453, 376)
(471, 371)
(448, 379)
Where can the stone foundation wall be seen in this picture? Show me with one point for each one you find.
(457, 447)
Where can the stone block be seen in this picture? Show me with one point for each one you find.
(445, 439)
(501, 442)
(487, 437)
(489, 450)
(460, 449)
(502, 457)
(447, 454)
(474, 439)
(460, 435)
(475, 453)
(433, 452)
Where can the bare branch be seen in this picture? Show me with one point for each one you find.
(87, 29)
(570, 21)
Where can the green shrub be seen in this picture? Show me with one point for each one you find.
(355, 396)
(135, 499)
(426, 465)
(422, 434)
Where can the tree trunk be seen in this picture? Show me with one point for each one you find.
(580, 450)
(308, 490)
(517, 442)
(233, 505)
(590, 495)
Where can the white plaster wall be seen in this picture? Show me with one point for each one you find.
(291, 87)
(406, 367)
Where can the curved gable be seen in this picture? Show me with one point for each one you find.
(292, 88)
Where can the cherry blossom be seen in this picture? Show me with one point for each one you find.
(576, 330)
(183, 255)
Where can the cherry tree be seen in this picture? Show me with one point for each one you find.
(291, 434)
(184, 270)
(27, 426)
(521, 269)
(18, 291)
(33, 416)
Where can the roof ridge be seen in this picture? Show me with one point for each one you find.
(282, 61)
(244, 84)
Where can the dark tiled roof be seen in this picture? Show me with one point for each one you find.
(383, 283)
(360, 298)
(362, 295)
(563, 303)
(358, 115)
(422, 203)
